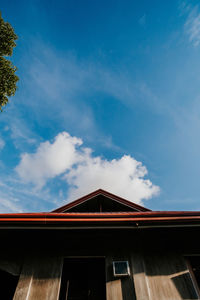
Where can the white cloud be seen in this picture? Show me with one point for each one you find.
(85, 172)
(50, 159)
(124, 177)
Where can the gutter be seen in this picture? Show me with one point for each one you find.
(100, 220)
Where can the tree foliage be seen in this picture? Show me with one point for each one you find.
(8, 78)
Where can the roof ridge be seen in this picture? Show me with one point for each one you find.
(100, 192)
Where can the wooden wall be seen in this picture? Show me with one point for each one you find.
(153, 277)
(162, 276)
(40, 279)
(157, 274)
(118, 288)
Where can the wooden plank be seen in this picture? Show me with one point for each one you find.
(46, 279)
(40, 279)
(128, 290)
(168, 277)
(139, 277)
(122, 287)
(113, 285)
(161, 277)
(24, 284)
(114, 290)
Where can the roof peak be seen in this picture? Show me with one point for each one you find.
(100, 192)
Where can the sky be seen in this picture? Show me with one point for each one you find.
(108, 97)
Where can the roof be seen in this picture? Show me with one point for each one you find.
(65, 218)
(104, 193)
(83, 220)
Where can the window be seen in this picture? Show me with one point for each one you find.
(121, 268)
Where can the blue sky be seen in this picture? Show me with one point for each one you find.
(108, 97)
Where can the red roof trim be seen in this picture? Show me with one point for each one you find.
(104, 193)
(135, 218)
(102, 214)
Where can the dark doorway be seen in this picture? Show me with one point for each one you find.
(8, 284)
(83, 279)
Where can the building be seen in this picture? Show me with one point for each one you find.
(100, 247)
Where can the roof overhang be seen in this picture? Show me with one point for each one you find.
(99, 220)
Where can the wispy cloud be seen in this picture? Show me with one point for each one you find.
(192, 23)
(2, 143)
(60, 83)
(59, 90)
(8, 202)
(83, 171)
(16, 196)
(67, 82)
(142, 20)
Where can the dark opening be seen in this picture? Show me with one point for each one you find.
(100, 204)
(8, 284)
(83, 279)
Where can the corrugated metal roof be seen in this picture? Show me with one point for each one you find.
(142, 217)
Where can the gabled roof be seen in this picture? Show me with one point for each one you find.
(118, 203)
(70, 216)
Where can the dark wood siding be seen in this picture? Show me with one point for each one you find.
(113, 285)
(118, 288)
(160, 273)
(40, 279)
(162, 277)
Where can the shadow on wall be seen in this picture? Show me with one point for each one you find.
(183, 283)
(167, 276)
(8, 284)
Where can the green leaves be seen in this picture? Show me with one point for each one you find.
(8, 78)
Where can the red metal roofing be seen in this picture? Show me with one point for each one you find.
(134, 218)
(141, 217)
(104, 193)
